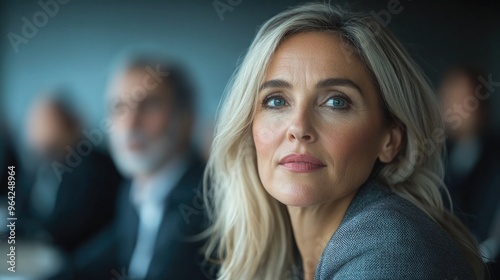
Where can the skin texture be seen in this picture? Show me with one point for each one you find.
(340, 124)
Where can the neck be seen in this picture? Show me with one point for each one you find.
(142, 179)
(313, 227)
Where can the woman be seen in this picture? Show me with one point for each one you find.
(320, 167)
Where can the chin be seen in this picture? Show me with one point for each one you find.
(299, 195)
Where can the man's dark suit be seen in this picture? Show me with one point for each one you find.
(476, 194)
(84, 202)
(174, 256)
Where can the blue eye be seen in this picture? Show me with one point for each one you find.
(336, 103)
(274, 102)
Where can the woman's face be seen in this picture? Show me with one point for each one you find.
(318, 127)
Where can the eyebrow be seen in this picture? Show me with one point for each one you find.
(326, 83)
(275, 84)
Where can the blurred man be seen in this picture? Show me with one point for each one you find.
(74, 186)
(473, 177)
(152, 109)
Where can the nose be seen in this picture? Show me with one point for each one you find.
(301, 127)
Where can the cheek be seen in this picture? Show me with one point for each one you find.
(267, 135)
(265, 140)
(117, 122)
(353, 148)
(264, 137)
(352, 139)
(155, 124)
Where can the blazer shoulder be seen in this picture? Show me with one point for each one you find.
(388, 237)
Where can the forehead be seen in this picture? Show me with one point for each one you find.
(48, 109)
(458, 80)
(138, 82)
(317, 55)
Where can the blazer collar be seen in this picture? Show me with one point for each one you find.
(368, 193)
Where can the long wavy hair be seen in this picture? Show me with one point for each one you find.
(251, 235)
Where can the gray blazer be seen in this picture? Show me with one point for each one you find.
(384, 236)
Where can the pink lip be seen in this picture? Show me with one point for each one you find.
(301, 163)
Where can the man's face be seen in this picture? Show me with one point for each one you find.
(49, 132)
(144, 133)
(457, 94)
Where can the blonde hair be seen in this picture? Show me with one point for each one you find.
(251, 236)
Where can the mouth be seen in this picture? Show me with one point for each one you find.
(301, 163)
(135, 146)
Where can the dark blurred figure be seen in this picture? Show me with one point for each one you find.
(7, 157)
(69, 195)
(161, 207)
(473, 171)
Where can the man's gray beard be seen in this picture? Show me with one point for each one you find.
(131, 163)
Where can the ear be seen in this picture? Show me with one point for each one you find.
(391, 144)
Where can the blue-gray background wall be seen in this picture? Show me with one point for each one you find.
(77, 45)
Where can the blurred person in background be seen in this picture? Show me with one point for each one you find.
(473, 176)
(160, 208)
(68, 195)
